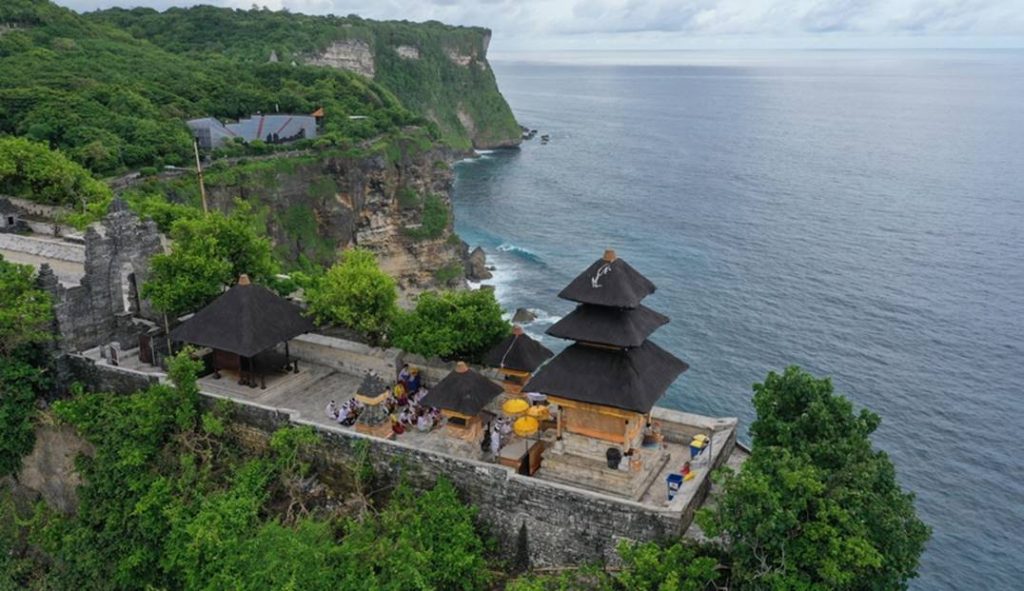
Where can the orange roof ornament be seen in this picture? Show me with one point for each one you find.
(319, 113)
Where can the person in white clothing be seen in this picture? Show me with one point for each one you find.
(495, 440)
(332, 411)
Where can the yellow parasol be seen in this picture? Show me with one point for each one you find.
(515, 407)
(538, 412)
(525, 426)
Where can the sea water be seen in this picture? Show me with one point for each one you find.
(860, 214)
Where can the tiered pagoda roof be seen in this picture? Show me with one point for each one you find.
(612, 363)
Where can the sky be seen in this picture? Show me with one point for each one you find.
(551, 25)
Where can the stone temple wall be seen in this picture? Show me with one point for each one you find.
(106, 306)
(562, 524)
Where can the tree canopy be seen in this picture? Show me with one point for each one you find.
(112, 102)
(356, 294)
(451, 325)
(208, 254)
(32, 170)
(26, 316)
(815, 506)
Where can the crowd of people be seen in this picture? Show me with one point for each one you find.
(403, 405)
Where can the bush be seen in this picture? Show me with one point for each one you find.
(451, 325)
(815, 507)
(434, 221)
(356, 294)
(32, 170)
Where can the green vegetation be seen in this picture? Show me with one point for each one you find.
(32, 170)
(112, 102)
(433, 222)
(356, 294)
(170, 502)
(447, 274)
(26, 315)
(209, 253)
(432, 85)
(451, 325)
(815, 506)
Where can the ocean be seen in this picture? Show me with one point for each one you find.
(860, 214)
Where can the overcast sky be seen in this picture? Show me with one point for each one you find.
(541, 25)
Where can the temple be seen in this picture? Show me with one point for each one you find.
(607, 382)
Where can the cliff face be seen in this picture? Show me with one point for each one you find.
(395, 203)
(438, 71)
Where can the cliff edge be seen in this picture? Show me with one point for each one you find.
(438, 71)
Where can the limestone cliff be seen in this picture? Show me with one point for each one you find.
(438, 71)
(394, 201)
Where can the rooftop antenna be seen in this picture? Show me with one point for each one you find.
(199, 174)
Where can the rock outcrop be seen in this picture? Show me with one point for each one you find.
(351, 54)
(476, 266)
(322, 204)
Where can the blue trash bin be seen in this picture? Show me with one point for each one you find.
(674, 481)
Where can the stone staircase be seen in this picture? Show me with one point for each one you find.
(595, 475)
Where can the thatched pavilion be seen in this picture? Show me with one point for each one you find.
(243, 328)
(517, 356)
(462, 396)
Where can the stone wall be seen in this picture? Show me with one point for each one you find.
(102, 378)
(564, 525)
(347, 356)
(106, 305)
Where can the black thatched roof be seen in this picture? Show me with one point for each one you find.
(610, 281)
(630, 379)
(463, 391)
(372, 385)
(619, 327)
(518, 352)
(246, 319)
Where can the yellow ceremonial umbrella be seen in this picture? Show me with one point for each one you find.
(538, 412)
(515, 407)
(525, 426)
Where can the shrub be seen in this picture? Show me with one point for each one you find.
(356, 294)
(452, 324)
(434, 221)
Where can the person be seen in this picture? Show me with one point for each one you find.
(423, 422)
(414, 380)
(495, 440)
(418, 395)
(396, 426)
(686, 470)
(401, 399)
(332, 410)
(404, 375)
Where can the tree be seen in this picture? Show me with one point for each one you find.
(25, 311)
(209, 253)
(34, 171)
(355, 293)
(451, 324)
(815, 507)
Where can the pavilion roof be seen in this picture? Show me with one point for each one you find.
(609, 281)
(246, 319)
(619, 327)
(463, 390)
(518, 351)
(629, 379)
